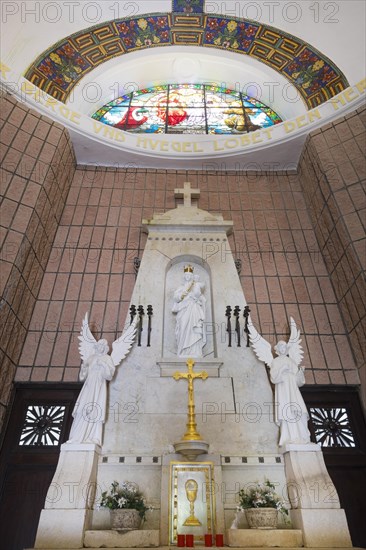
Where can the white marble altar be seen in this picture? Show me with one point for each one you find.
(147, 408)
(231, 403)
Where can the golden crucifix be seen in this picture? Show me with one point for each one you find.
(191, 433)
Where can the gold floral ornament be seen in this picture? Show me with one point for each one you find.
(149, 31)
(142, 23)
(56, 58)
(231, 26)
(227, 37)
(318, 65)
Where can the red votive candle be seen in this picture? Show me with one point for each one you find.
(189, 541)
(181, 541)
(219, 540)
(208, 540)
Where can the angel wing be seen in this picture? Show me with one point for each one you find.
(295, 350)
(261, 347)
(87, 340)
(121, 347)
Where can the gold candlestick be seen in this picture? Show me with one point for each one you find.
(191, 433)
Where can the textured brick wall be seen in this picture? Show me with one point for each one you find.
(333, 176)
(37, 166)
(91, 265)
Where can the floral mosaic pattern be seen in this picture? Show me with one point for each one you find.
(149, 31)
(230, 34)
(310, 72)
(188, 6)
(64, 65)
(61, 67)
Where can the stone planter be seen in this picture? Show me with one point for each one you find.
(262, 518)
(125, 520)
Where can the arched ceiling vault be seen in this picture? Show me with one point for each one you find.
(60, 68)
(298, 55)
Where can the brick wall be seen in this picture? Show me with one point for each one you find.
(36, 172)
(91, 265)
(333, 176)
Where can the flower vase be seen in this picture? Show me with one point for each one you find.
(125, 519)
(262, 518)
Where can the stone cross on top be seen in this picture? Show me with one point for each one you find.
(187, 194)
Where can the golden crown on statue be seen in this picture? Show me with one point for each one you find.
(188, 269)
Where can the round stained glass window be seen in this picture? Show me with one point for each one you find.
(187, 109)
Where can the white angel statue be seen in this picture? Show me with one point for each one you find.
(287, 375)
(96, 368)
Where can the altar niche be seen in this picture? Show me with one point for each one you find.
(174, 280)
(192, 503)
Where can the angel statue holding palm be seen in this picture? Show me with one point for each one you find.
(96, 369)
(287, 375)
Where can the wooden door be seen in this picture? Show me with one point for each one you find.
(38, 424)
(337, 422)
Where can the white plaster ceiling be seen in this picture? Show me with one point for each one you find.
(335, 28)
(186, 64)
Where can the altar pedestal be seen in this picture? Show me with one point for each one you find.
(114, 539)
(314, 499)
(322, 528)
(67, 512)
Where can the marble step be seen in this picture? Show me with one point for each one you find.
(201, 548)
(266, 538)
(240, 538)
(236, 539)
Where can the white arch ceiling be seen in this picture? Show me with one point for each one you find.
(184, 64)
(334, 28)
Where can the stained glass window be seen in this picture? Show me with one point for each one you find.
(187, 109)
(332, 426)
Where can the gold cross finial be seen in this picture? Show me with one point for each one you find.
(187, 194)
(190, 365)
(191, 433)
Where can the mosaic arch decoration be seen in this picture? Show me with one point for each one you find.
(188, 6)
(187, 109)
(58, 69)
